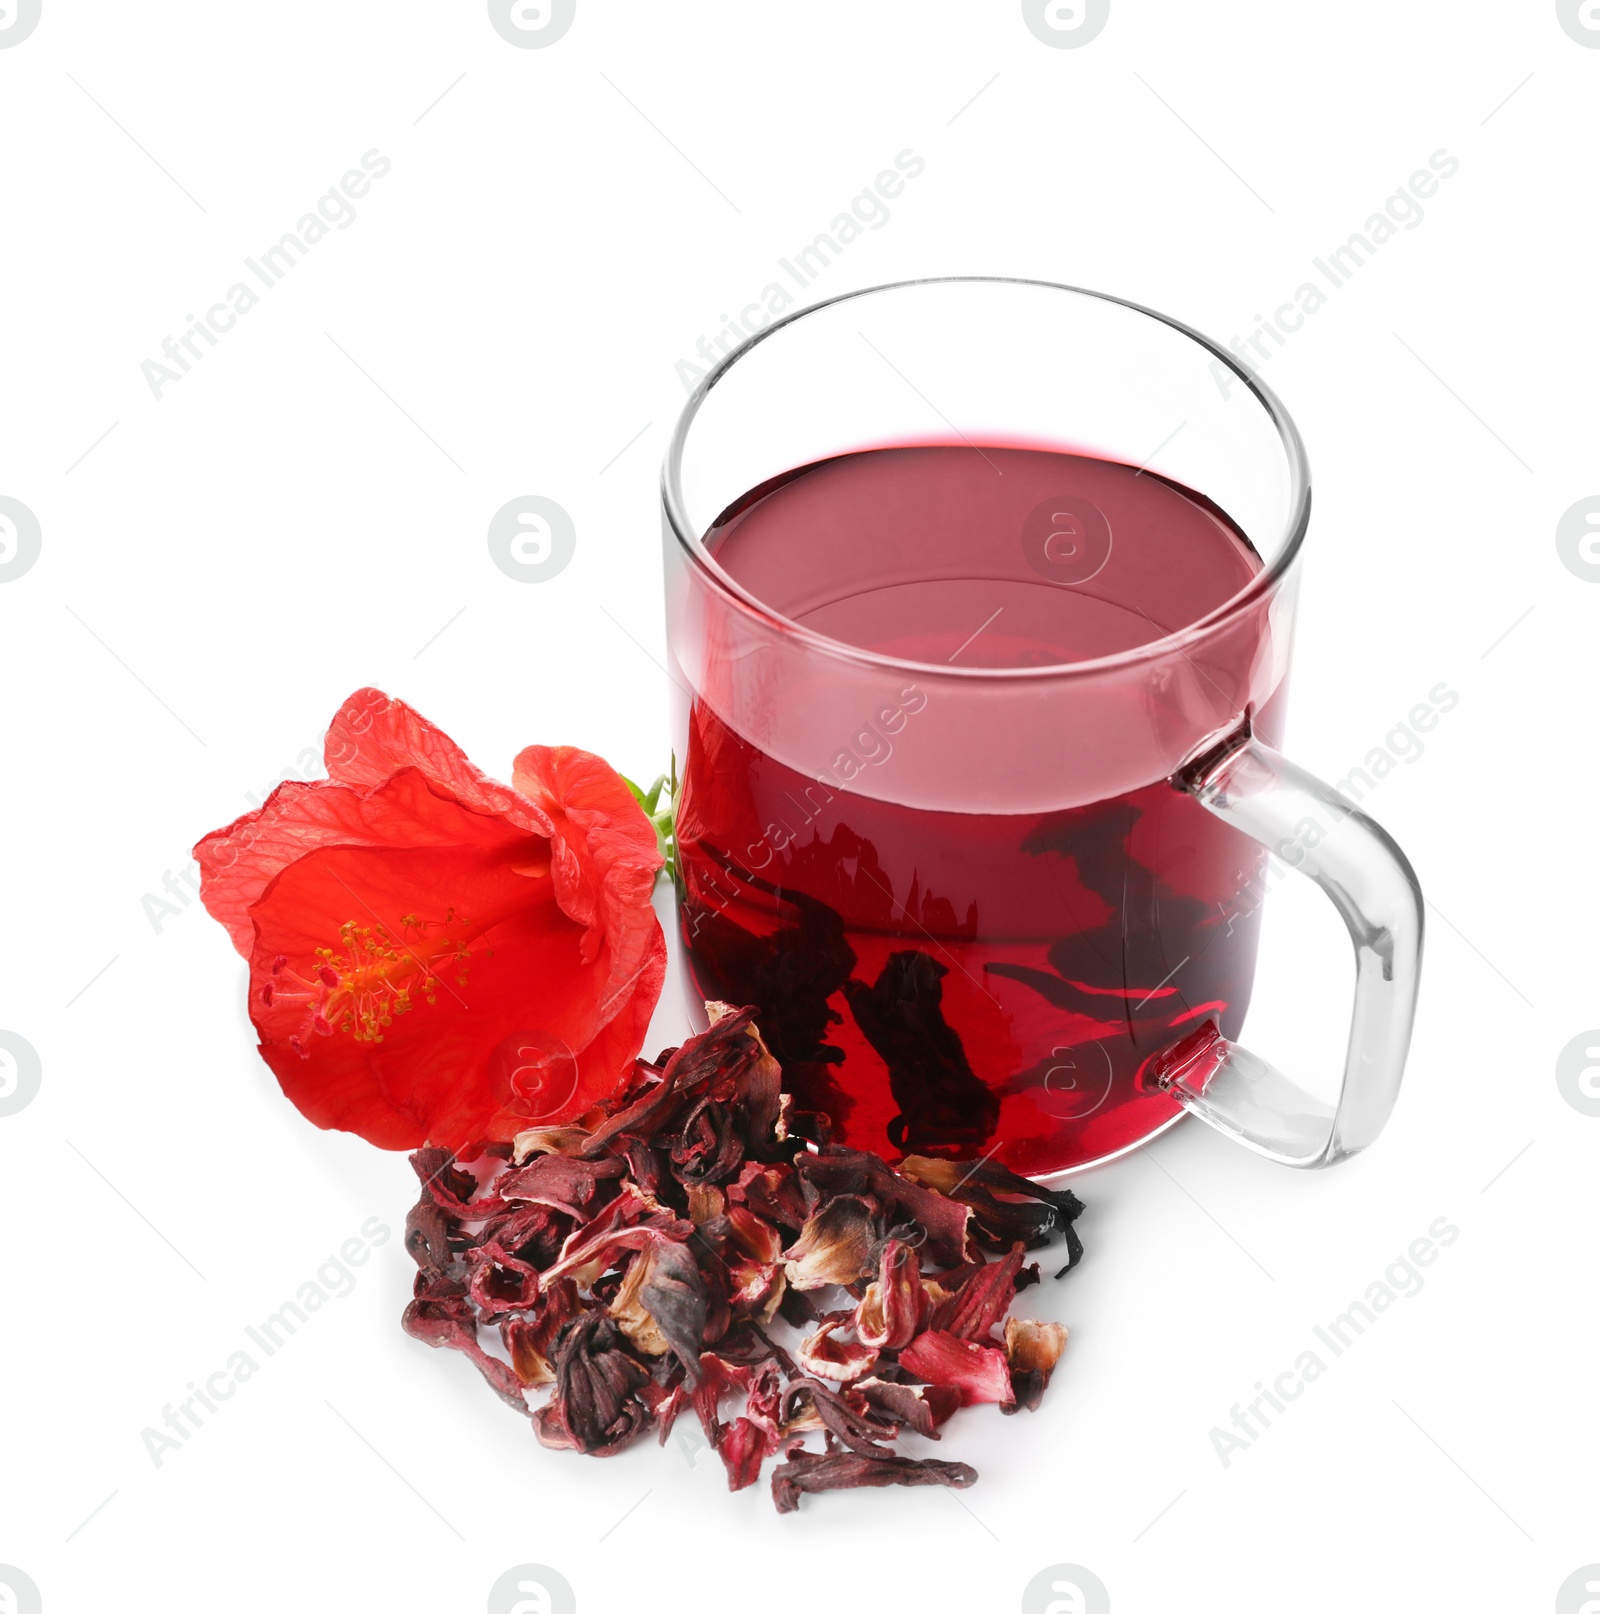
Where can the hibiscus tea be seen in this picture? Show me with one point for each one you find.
(961, 982)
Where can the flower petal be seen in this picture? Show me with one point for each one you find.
(982, 1299)
(604, 853)
(805, 1472)
(239, 862)
(373, 737)
(896, 1305)
(662, 1304)
(1032, 1349)
(835, 1245)
(979, 1372)
(743, 1447)
(370, 740)
(830, 1358)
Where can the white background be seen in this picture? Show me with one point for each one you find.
(306, 513)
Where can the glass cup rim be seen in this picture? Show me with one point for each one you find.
(1292, 536)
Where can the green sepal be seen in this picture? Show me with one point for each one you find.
(658, 804)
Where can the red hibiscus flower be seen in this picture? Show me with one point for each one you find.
(436, 957)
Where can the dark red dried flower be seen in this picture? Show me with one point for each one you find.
(803, 1471)
(921, 1408)
(596, 1408)
(446, 1320)
(1005, 1208)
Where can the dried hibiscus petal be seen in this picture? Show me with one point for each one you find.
(499, 1291)
(921, 1408)
(1029, 1211)
(896, 1305)
(982, 1300)
(743, 1448)
(1032, 1350)
(728, 1060)
(749, 1254)
(629, 1222)
(774, 1193)
(452, 1189)
(758, 1239)
(526, 1237)
(715, 1378)
(830, 1357)
(706, 1202)
(530, 1340)
(563, 1184)
(860, 1431)
(567, 1140)
(835, 1246)
(708, 1149)
(755, 1290)
(448, 1324)
(979, 1372)
(764, 1402)
(663, 1303)
(428, 1231)
(943, 1222)
(803, 1472)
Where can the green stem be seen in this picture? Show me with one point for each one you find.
(659, 803)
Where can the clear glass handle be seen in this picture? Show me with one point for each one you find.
(1248, 785)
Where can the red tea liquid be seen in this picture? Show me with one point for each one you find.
(964, 983)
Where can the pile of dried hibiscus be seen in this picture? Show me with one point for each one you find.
(638, 1265)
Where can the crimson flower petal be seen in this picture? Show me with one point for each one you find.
(980, 1372)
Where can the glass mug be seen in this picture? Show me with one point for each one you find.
(1004, 901)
